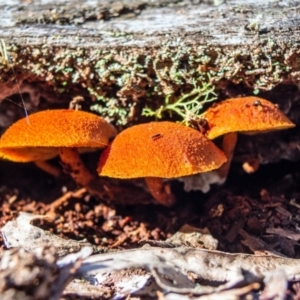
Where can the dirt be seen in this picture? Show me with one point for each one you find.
(255, 203)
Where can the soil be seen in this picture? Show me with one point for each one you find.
(267, 199)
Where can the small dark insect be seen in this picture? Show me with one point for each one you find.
(156, 136)
(256, 103)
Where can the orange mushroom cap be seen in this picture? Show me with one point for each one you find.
(159, 149)
(40, 137)
(246, 115)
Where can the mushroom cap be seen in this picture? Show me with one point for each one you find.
(159, 149)
(39, 137)
(246, 115)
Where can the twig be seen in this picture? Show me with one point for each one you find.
(206, 264)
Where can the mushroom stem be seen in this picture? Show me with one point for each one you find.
(228, 146)
(100, 187)
(48, 168)
(74, 166)
(161, 191)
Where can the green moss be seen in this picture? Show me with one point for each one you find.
(112, 110)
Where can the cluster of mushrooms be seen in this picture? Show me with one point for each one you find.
(153, 151)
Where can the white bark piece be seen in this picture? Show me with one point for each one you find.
(20, 233)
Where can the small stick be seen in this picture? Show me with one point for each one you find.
(58, 202)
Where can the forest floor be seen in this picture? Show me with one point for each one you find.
(251, 213)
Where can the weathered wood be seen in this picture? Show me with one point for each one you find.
(145, 23)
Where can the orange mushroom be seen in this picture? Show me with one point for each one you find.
(47, 131)
(159, 150)
(248, 115)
